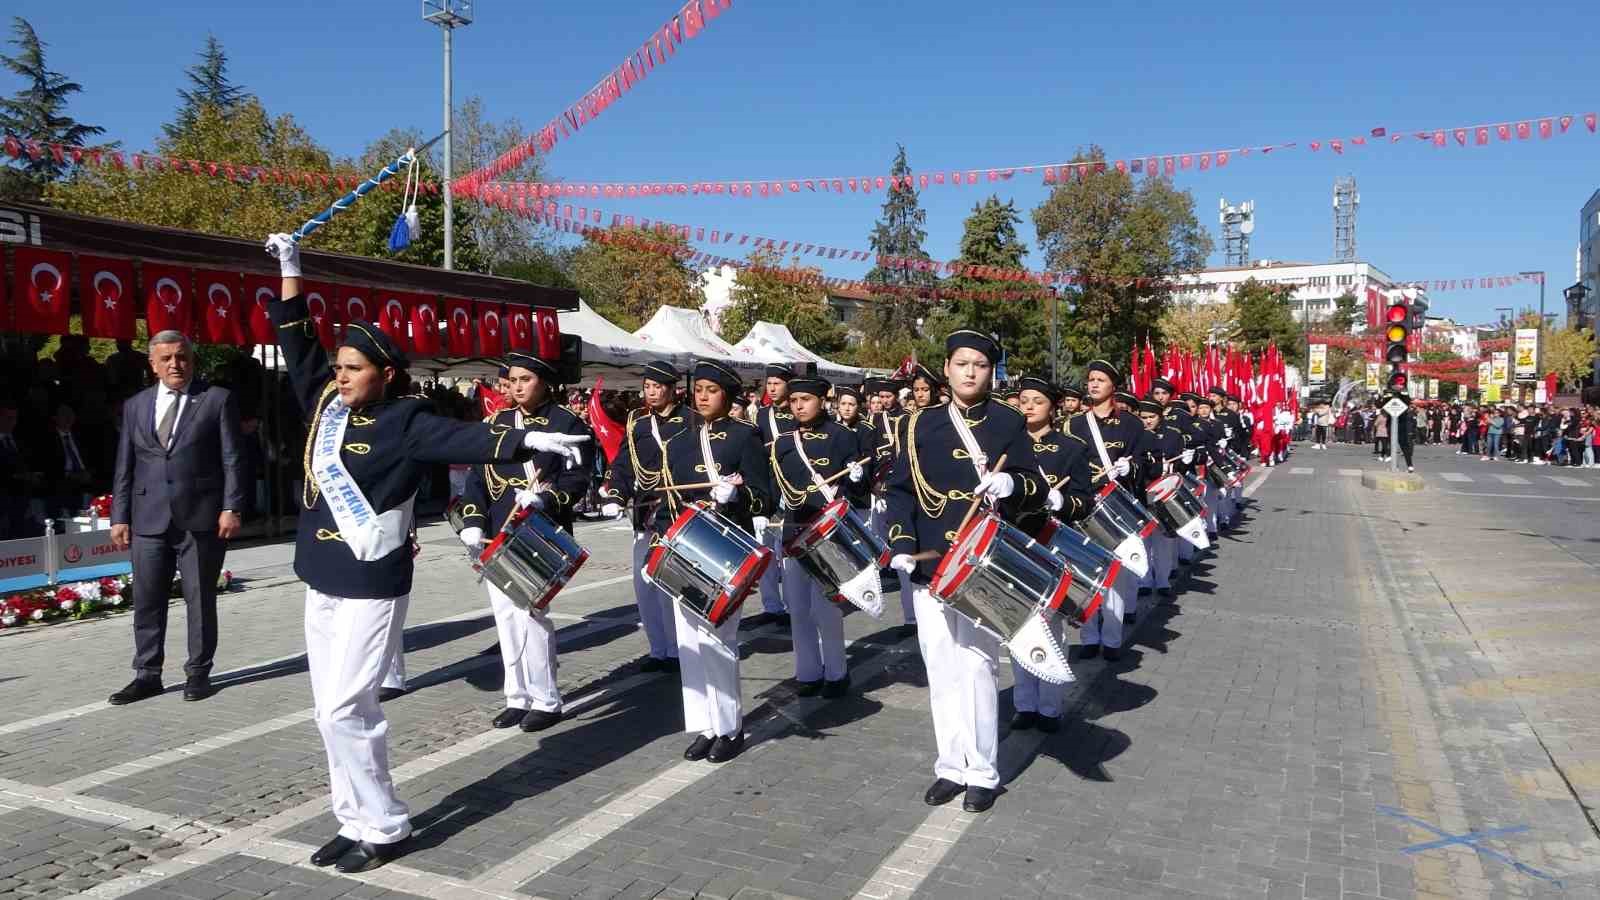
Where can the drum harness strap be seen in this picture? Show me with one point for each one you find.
(958, 419)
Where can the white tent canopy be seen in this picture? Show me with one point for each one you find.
(777, 340)
(611, 351)
(676, 330)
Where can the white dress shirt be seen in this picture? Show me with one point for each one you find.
(165, 397)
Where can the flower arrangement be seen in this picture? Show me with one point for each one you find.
(78, 599)
(101, 506)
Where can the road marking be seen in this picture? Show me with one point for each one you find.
(1301, 470)
(904, 870)
(1350, 473)
(1566, 481)
(1523, 496)
(1250, 489)
(1454, 476)
(1512, 479)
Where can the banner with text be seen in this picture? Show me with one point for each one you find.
(1319, 364)
(1527, 349)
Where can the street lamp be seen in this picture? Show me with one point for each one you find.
(448, 15)
(1574, 296)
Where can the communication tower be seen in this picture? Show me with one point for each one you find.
(1345, 203)
(1237, 224)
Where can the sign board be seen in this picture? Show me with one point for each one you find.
(23, 558)
(1395, 406)
(1318, 364)
(1491, 394)
(1433, 388)
(1540, 395)
(1483, 376)
(1372, 376)
(1500, 372)
(1527, 350)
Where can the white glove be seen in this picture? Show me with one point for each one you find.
(527, 497)
(1221, 444)
(471, 537)
(758, 526)
(1053, 501)
(611, 510)
(998, 485)
(1121, 468)
(880, 504)
(287, 252)
(857, 472)
(564, 444)
(1188, 456)
(902, 562)
(1227, 431)
(722, 492)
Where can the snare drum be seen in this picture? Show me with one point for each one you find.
(1094, 568)
(531, 560)
(1013, 587)
(843, 555)
(1119, 524)
(1222, 471)
(1180, 511)
(707, 563)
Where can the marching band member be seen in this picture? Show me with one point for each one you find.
(366, 452)
(802, 461)
(728, 452)
(1163, 449)
(774, 420)
(551, 483)
(1112, 438)
(1064, 461)
(1071, 402)
(1232, 428)
(634, 476)
(1175, 415)
(1214, 439)
(886, 422)
(943, 464)
(925, 387)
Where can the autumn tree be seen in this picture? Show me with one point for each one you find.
(765, 290)
(891, 320)
(1191, 325)
(1569, 353)
(37, 112)
(627, 282)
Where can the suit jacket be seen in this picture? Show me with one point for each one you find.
(189, 484)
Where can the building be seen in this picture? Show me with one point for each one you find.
(1317, 285)
(1587, 313)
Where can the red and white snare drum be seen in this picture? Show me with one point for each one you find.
(1181, 513)
(1119, 524)
(843, 555)
(707, 563)
(530, 560)
(1094, 568)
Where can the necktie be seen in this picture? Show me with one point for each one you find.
(74, 461)
(168, 419)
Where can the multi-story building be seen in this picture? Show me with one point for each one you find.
(1587, 313)
(1316, 285)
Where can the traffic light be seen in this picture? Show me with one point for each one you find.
(1419, 313)
(1396, 332)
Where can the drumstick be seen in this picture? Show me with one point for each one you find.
(698, 486)
(842, 472)
(514, 507)
(998, 465)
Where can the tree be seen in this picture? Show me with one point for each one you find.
(38, 113)
(1343, 320)
(626, 284)
(208, 86)
(372, 220)
(891, 320)
(1125, 242)
(1264, 317)
(1569, 353)
(502, 237)
(764, 290)
(1191, 325)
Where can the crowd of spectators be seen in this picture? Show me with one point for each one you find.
(1529, 434)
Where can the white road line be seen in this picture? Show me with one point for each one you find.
(1250, 489)
(1301, 470)
(1524, 496)
(1512, 479)
(1566, 481)
(904, 870)
(1455, 476)
(94, 809)
(1350, 473)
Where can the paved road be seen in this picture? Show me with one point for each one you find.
(1346, 692)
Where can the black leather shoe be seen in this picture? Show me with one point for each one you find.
(782, 621)
(1089, 651)
(650, 664)
(1049, 724)
(1130, 618)
(833, 690)
(808, 688)
(1165, 592)
(1113, 654)
(366, 856)
(387, 694)
(907, 630)
(698, 750)
(539, 720)
(198, 687)
(1024, 721)
(137, 689)
(978, 799)
(726, 747)
(509, 716)
(670, 664)
(332, 851)
(942, 791)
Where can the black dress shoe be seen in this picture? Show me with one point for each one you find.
(650, 664)
(1113, 654)
(698, 750)
(782, 620)
(198, 687)
(726, 747)
(1165, 592)
(942, 791)
(833, 690)
(539, 720)
(509, 716)
(978, 799)
(670, 664)
(808, 688)
(1049, 724)
(332, 851)
(366, 856)
(907, 630)
(387, 694)
(1024, 721)
(1130, 618)
(137, 689)
(1089, 651)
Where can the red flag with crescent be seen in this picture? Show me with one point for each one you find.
(42, 289)
(548, 330)
(167, 299)
(394, 317)
(326, 308)
(458, 318)
(607, 430)
(222, 299)
(355, 304)
(259, 292)
(491, 328)
(519, 327)
(106, 296)
(425, 326)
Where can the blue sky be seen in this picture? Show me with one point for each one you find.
(776, 89)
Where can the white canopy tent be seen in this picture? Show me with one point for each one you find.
(777, 340)
(612, 352)
(674, 329)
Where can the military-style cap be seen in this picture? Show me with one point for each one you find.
(662, 372)
(1035, 383)
(718, 372)
(809, 384)
(373, 344)
(532, 363)
(975, 340)
(1150, 406)
(1163, 384)
(779, 370)
(1106, 369)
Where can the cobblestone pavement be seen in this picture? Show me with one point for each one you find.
(1339, 701)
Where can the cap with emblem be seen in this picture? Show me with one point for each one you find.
(662, 372)
(1105, 368)
(532, 363)
(717, 372)
(373, 344)
(974, 340)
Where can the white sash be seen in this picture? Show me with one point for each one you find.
(369, 536)
(1099, 442)
(826, 490)
(980, 460)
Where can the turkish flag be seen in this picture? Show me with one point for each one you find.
(519, 327)
(355, 304)
(395, 317)
(547, 328)
(424, 326)
(223, 320)
(105, 292)
(491, 330)
(1524, 131)
(42, 290)
(458, 315)
(326, 309)
(259, 291)
(167, 304)
(607, 431)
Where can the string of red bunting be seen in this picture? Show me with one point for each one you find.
(1051, 173)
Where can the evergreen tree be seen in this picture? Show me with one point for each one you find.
(892, 318)
(1263, 317)
(38, 112)
(208, 86)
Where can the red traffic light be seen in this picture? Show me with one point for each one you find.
(1398, 313)
(1397, 381)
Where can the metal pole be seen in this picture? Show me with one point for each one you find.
(449, 173)
(1538, 345)
(1394, 444)
(1055, 346)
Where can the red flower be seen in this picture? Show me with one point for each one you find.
(66, 593)
(110, 587)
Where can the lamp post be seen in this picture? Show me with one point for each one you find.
(448, 15)
(1575, 296)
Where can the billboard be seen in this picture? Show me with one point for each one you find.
(1318, 367)
(1527, 350)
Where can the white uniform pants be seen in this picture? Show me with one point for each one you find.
(1163, 556)
(879, 523)
(528, 649)
(1105, 626)
(708, 662)
(1030, 694)
(395, 675)
(655, 607)
(960, 661)
(817, 624)
(772, 578)
(349, 643)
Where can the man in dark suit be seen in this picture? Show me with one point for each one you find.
(67, 468)
(176, 501)
(17, 478)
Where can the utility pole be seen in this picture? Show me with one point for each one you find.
(448, 15)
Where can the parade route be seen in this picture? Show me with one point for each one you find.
(1356, 695)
